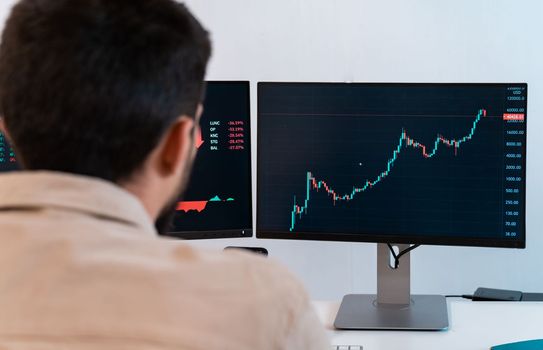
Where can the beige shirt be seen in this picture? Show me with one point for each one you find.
(81, 267)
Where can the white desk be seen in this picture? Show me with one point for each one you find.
(472, 325)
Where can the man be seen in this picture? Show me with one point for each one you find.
(101, 100)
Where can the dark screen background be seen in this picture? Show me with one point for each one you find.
(345, 134)
(222, 168)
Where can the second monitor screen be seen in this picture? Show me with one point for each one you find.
(217, 202)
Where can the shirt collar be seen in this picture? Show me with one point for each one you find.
(38, 189)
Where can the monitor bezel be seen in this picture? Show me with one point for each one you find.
(519, 242)
(228, 233)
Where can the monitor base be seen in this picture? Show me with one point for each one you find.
(361, 311)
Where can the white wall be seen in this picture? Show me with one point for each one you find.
(390, 41)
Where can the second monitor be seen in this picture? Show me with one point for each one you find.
(218, 200)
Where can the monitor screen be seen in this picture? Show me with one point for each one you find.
(218, 201)
(399, 163)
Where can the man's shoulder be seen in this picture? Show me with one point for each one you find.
(155, 288)
(265, 277)
(224, 272)
(259, 293)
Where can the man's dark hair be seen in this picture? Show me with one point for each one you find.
(90, 86)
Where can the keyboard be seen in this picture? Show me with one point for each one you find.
(346, 347)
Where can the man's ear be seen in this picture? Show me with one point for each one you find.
(199, 112)
(177, 146)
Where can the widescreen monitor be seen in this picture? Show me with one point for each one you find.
(440, 164)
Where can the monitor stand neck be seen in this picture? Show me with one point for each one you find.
(393, 308)
(393, 284)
